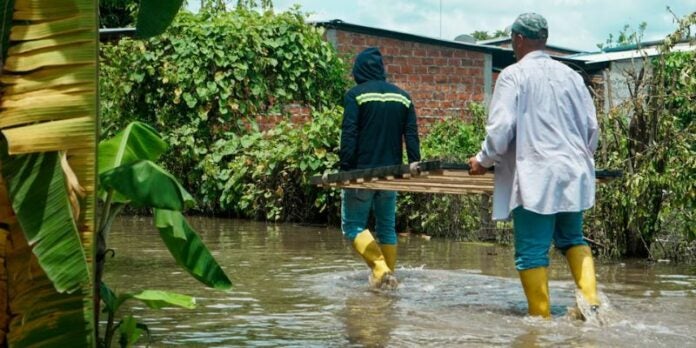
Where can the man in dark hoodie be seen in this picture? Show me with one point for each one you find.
(378, 118)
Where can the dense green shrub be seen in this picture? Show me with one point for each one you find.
(455, 216)
(266, 175)
(652, 138)
(211, 74)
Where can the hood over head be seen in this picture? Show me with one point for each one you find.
(368, 66)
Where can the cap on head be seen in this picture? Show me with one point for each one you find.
(531, 25)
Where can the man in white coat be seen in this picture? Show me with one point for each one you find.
(541, 136)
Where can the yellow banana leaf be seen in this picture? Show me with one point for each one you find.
(48, 109)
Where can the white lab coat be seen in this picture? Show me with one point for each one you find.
(541, 136)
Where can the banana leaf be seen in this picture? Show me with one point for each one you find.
(157, 299)
(131, 330)
(154, 299)
(41, 316)
(50, 297)
(188, 249)
(6, 21)
(145, 184)
(138, 141)
(154, 16)
(38, 194)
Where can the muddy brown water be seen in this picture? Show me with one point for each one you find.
(302, 286)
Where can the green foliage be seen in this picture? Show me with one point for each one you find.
(626, 36)
(7, 9)
(455, 216)
(135, 142)
(188, 249)
(652, 137)
(130, 331)
(154, 16)
(145, 184)
(251, 4)
(266, 175)
(36, 187)
(128, 176)
(210, 75)
(481, 35)
(129, 328)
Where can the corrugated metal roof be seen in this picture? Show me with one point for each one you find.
(501, 40)
(339, 24)
(633, 53)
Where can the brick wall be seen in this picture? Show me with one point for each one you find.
(441, 80)
(298, 114)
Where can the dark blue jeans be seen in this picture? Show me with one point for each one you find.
(356, 205)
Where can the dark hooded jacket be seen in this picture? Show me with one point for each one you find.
(378, 118)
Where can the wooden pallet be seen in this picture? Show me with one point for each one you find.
(428, 176)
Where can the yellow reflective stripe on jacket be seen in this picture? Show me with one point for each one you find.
(382, 97)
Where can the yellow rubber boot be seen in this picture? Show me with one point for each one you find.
(536, 287)
(368, 249)
(389, 252)
(582, 267)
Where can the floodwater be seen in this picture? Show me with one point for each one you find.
(302, 286)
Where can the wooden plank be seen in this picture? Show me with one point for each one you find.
(442, 180)
(450, 178)
(421, 189)
(465, 174)
(429, 184)
(430, 176)
(395, 170)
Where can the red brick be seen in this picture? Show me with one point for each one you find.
(433, 52)
(407, 52)
(358, 41)
(427, 78)
(460, 53)
(466, 62)
(419, 69)
(441, 61)
(440, 78)
(393, 69)
(407, 69)
(389, 51)
(476, 55)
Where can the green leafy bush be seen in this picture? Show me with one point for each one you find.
(266, 175)
(649, 213)
(454, 216)
(211, 75)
